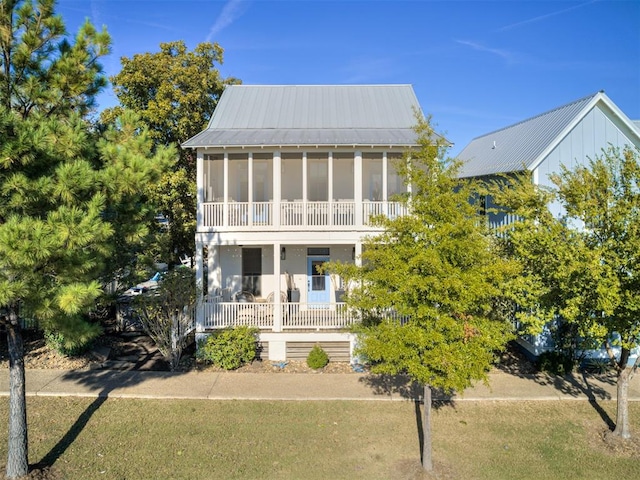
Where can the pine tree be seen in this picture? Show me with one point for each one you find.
(58, 186)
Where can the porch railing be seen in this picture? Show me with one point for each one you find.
(297, 213)
(295, 316)
(388, 209)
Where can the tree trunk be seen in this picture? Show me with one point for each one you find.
(174, 355)
(427, 461)
(622, 416)
(17, 453)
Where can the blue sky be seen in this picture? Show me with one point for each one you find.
(476, 66)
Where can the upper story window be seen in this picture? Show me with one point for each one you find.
(343, 176)
(291, 170)
(213, 178)
(318, 177)
(238, 177)
(395, 183)
(372, 176)
(262, 177)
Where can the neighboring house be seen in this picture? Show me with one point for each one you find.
(288, 178)
(567, 135)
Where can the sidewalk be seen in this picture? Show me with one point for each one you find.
(300, 386)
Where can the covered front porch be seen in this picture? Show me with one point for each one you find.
(276, 287)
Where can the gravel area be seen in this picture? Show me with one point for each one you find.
(136, 351)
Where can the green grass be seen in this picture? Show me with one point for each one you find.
(144, 439)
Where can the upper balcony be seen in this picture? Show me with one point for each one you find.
(297, 190)
(293, 215)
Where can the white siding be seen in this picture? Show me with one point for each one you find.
(587, 140)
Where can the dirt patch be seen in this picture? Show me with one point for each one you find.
(606, 442)
(112, 350)
(411, 469)
(47, 473)
(134, 350)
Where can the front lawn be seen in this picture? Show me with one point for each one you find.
(144, 439)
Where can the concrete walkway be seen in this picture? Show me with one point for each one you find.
(300, 386)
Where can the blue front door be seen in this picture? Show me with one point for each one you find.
(317, 283)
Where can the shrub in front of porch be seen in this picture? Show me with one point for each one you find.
(317, 357)
(229, 348)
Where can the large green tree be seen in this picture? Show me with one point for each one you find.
(583, 267)
(175, 92)
(64, 193)
(429, 287)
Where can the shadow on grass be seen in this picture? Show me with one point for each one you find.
(578, 385)
(103, 382)
(402, 386)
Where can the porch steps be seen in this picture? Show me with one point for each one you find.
(262, 351)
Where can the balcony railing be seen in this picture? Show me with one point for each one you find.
(297, 213)
(295, 316)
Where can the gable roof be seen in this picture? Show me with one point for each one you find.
(524, 145)
(278, 115)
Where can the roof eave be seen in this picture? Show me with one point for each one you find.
(303, 145)
(577, 119)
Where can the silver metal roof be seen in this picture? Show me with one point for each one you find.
(519, 147)
(279, 115)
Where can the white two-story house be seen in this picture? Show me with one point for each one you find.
(288, 178)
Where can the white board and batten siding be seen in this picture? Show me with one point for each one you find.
(587, 140)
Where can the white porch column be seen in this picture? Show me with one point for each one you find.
(358, 260)
(304, 176)
(277, 188)
(304, 188)
(213, 266)
(225, 189)
(277, 302)
(330, 185)
(409, 186)
(357, 185)
(384, 176)
(200, 186)
(199, 283)
(250, 187)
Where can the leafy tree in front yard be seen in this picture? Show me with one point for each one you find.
(174, 91)
(584, 267)
(429, 285)
(58, 186)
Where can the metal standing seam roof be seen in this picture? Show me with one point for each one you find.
(519, 146)
(277, 115)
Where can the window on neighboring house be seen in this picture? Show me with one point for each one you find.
(252, 270)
